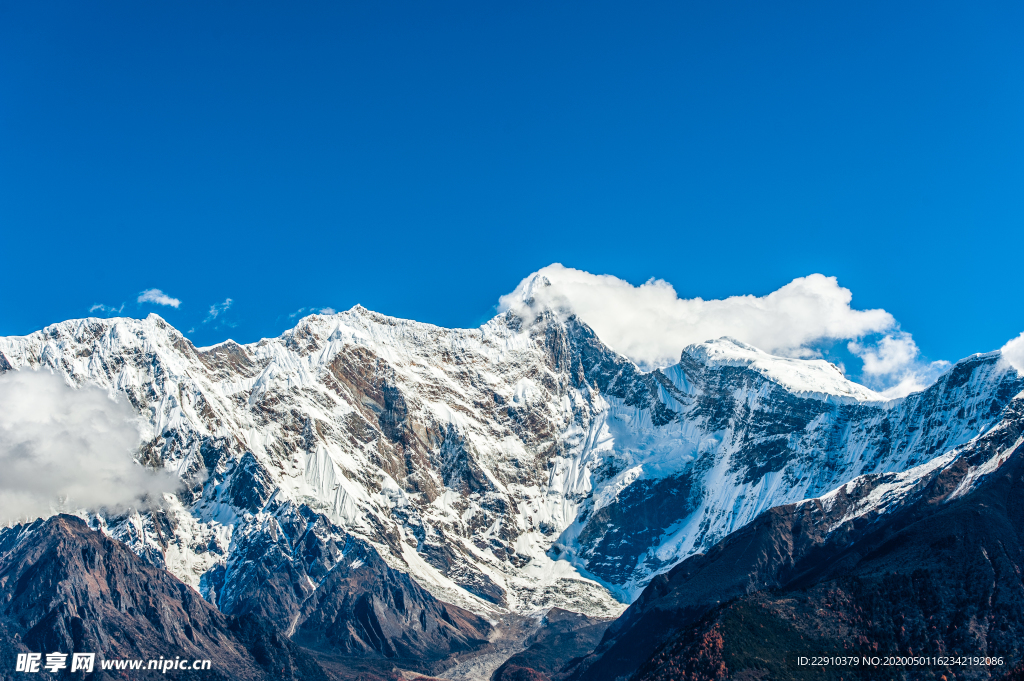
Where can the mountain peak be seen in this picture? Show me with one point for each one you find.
(805, 377)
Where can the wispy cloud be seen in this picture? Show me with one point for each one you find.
(158, 297)
(651, 324)
(218, 309)
(67, 449)
(312, 310)
(106, 309)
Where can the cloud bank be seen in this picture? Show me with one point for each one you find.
(158, 297)
(651, 324)
(66, 449)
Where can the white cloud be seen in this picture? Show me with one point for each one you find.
(155, 295)
(895, 360)
(217, 310)
(327, 310)
(888, 355)
(1013, 352)
(651, 324)
(67, 449)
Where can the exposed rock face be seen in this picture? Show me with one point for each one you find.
(491, 464)
(66, 588)
(365, 608)
(277, 559)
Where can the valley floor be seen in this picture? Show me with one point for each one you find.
(511, 634)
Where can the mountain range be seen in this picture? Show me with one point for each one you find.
(370, 488)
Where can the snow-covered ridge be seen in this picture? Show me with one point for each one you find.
(516, 466)
(965, 467)
(814, 378)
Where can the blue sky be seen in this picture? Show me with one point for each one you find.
(423, 158)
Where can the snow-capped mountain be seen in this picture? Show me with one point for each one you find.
(923, 562)
(518, 466)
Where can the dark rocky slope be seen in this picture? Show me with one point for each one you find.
(66, 588)
(364, 608)
(562, 638)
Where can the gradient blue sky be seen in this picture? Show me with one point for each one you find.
(422, 158)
